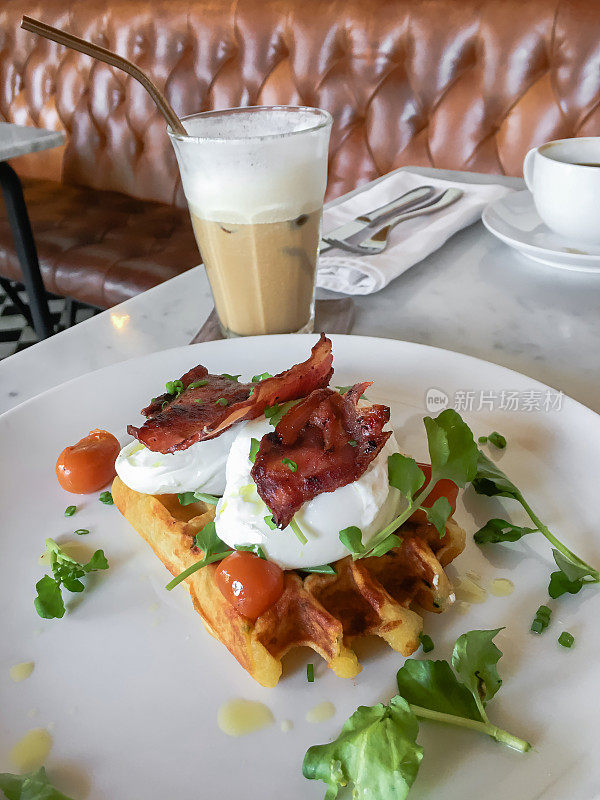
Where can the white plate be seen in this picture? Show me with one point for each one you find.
(515, 221)
(131, 683)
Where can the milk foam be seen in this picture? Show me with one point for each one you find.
(263, 167)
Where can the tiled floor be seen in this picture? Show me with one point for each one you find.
(15, 333)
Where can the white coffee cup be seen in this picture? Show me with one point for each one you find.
(564, 179)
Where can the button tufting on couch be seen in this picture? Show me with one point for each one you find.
(461, 84)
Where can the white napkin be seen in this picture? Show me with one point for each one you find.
(409, 243)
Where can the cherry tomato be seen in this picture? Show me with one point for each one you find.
(443, 488)
(249, 583)
(88, 465)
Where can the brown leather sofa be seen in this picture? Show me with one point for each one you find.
(463, 84)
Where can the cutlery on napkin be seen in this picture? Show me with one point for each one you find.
(410, 242)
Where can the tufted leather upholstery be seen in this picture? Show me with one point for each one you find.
(462, 84)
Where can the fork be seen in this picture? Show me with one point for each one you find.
(379, 241)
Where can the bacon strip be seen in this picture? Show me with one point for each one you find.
(198, 414)
(316, 435)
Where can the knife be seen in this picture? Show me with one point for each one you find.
(362, 224)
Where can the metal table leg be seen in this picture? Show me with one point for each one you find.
(26, 251)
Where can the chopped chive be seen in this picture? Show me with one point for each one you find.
(482, 439)
(566, 639)
(198, 401)
(165, 403)
(70, 510)
(269, 522)
(298, 531)
(544, 612)
(174, 387)
(106, 498)
(261, 377)
(251, 392)
(537, 626)
(352, 442)
(221, 401)
(254, 445)
(81, 531)
(497, 440)
(198, 384)
(310, 673)
(230, 377)
(209, 499)
(426, 642)
(287, 462)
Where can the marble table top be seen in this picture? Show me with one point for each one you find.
(17, 140)
(474, 295)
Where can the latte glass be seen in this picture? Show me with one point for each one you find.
(254, 179)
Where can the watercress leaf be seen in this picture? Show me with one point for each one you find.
(490, 480)
(31, 786)
(452, 449)
(322, 569)
(209, 499)
(208, 541)
(574, 569)
(48, 602)
(560, 584)
(73, 584)
(186, 498)
(499, 530)
(405, 475)
(251, 548)
(96, 562)
(351, 538)
(433, 685)
(385, 546)
(376, 751)
(438, 514)
(474, 659)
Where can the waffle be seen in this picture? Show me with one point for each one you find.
(371, 596)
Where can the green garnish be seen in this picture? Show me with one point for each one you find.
(252, 548)
(291, 465)
(482, 439)
(377, 751)
(322, 569)
(70, 510)
(174, 387)
(106, 498)
(187, 498)
(499, 530)
(251, 391)
(31, 786)
(352, 442)
(346, 389)
(269, 522)
(254, 446)
(229, 377)
(541, 620)
(573, 573)
(67, 572)
(310, 673)
(298, 531)
(276, 412)
(214, 549)
(566, 639)
(198, 400)
(497, 440)
(351, 538)
(198, 384)
(426, 642)
(81, 531)
(221, 401)
(261, 377)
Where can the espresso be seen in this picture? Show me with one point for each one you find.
(262, 274)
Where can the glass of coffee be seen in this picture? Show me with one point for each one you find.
(254, 179)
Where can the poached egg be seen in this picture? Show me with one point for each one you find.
(199, 468)
(370, 503)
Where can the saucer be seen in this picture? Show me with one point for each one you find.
(514, 219)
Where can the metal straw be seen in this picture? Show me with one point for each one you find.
(102, 54)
